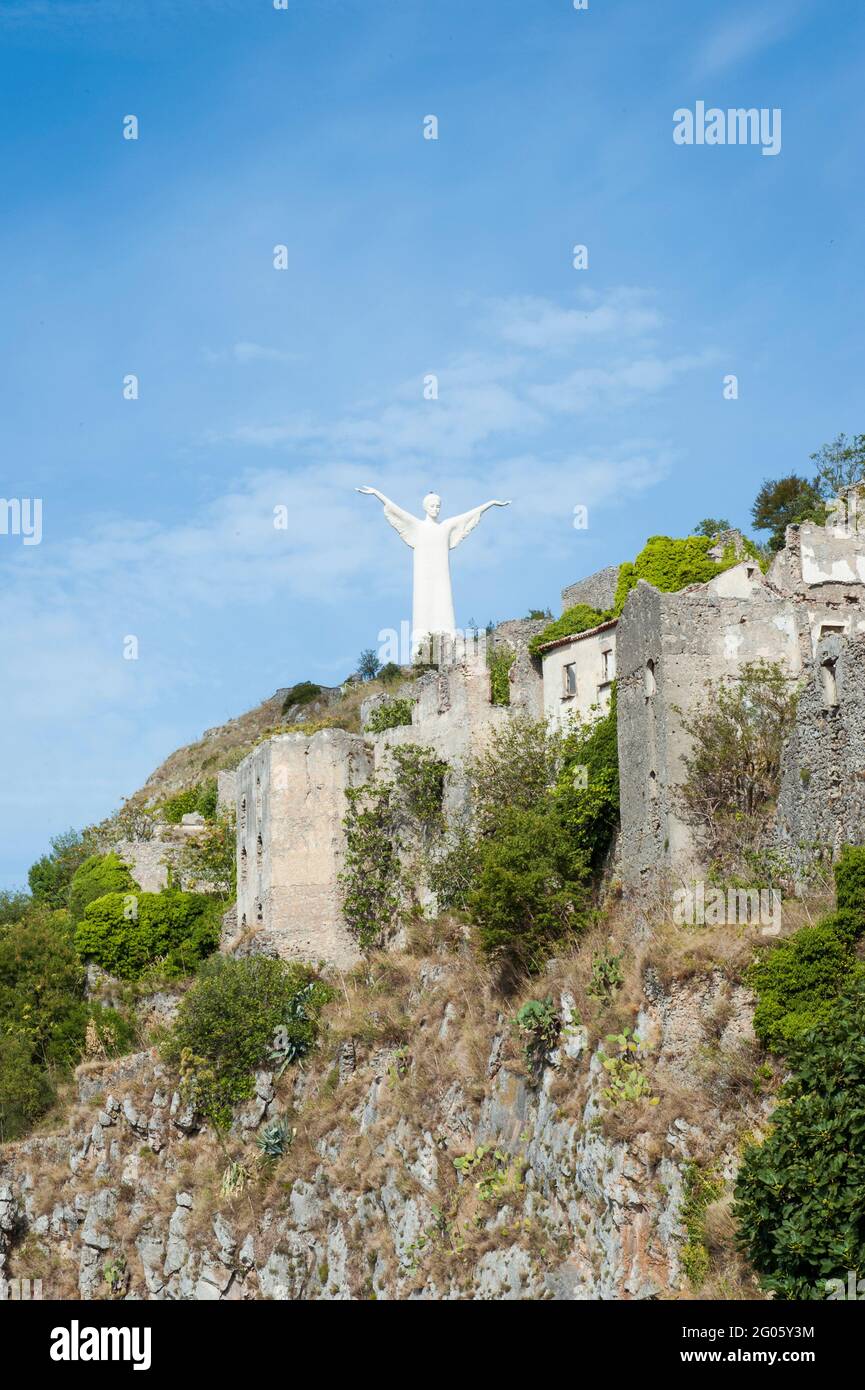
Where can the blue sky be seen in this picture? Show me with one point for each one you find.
(406, 256)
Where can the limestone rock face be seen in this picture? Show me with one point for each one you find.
(572, 1210)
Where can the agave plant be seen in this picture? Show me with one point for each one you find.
(275, 1139)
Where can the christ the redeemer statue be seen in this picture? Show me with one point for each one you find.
(432, 541)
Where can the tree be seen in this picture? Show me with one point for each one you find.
(368, 665)
(800, 1194)
(532, 890)
(50, 876)
(786, 502)
(733, 770)
(839, 464)
(712, 527)
(13, 905)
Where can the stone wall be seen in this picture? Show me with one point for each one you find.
(670, 647)
(226, 792)
(290, 843)
(454, 716)
(597, 590)
(821, 805)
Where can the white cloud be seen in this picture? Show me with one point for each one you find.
(737, 40)
(540, 325)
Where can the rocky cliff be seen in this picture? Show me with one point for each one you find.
(437, 1153)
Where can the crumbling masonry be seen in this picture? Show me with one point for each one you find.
(666, 649)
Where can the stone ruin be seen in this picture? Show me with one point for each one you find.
(807, 613)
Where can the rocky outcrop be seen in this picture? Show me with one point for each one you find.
(441, 1166)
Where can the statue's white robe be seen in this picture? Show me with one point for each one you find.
(432, 542)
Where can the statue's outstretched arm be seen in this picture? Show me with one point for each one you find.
(460, 526)
(402, 522)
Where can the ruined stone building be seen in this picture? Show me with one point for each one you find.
(665, 652)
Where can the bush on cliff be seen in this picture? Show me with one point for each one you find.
(800, 1194)
(798, 981)
(532, 890)
(44, 1016)
(241, 1015)
(201, 798)
(797, 984)
(98, 875)
(127, 933)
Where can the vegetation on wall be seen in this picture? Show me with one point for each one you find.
(587, 786)
(573, 621)
(670, 564)
(390, 714)
(208, 861)
(201, 798)
(500, 658)
(391, 829)
(733, 769)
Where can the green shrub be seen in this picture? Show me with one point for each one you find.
(573, 621)
(44, 1016)
(733, 768)
(127, 933)
(592, 812)
(230, 1022)
(800, 1194)
(500, 659)
(13, 905)
(390, 714)
(98, 875)
(26, 1091)
(51, 876)
(41, 982)
(390, 672)
(516, 768)
(850, 883)
(201, 798)
(797, 983)
(671, 564)
(208, 860)
(371, 879)
(301, 694)
(531, 894)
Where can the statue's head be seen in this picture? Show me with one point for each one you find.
(432, 504)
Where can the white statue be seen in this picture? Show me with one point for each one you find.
(432, 541)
